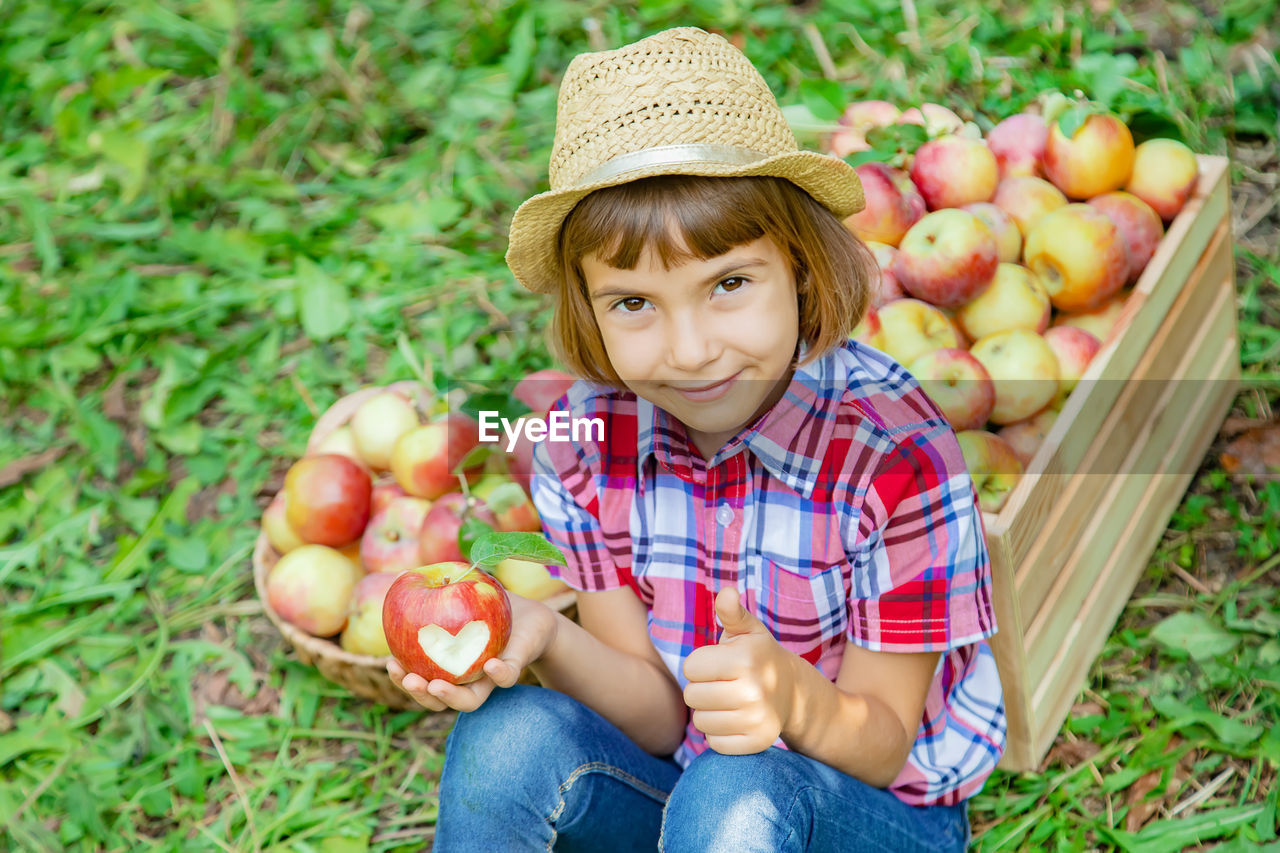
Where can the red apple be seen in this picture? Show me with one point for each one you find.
(327, 499)
(869, 330)
(1016, 299)
(1003, 228)
(424, 458)
(993, 467)
(341, 441)
(378, 424)
(506, 499)
(1026, 199)
(1079, 255)
(888, 289)
(311, 586)
(1097, 159)
(390, 542)
(893, 204)
(540, 389)
(859, 118)
(1140, 227)
(909, 328)
(385, 490)
(438, 536)
(959, 384)
(282, 537)
(953, 171)
(1024, 369)
(947, 258)
(1101, 321)
(446, 620)
(1018, 144)
(1164, 175)
(363, 634)
(1075, 348)
(1025, 437)
(936, 119)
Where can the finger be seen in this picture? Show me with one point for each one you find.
(719, 723)
(461, 697)
(415, 685)
(713, 663)
(503, 673)
(713, 695)
(732, 616)
(736, 744)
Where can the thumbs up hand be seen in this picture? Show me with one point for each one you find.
(741, 690)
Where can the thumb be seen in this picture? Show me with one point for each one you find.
(733, 617)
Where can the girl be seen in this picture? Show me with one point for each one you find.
(783, 587)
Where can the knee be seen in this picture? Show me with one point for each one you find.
(733, 802)
(512, 730)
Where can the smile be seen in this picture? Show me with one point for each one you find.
(708, 392)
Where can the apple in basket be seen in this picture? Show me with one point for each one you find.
(445, 620)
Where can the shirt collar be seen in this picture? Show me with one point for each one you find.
(788, 439)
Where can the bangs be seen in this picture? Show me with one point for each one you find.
(681, 217)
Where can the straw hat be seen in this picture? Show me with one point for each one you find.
(682, 102)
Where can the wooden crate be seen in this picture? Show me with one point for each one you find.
(1069, 546)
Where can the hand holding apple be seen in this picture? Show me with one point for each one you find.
(533, 630)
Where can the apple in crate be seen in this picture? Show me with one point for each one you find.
(1140, 227)
(363, 634)
(1075, 349)
(1025, 437)
(390, 542)
(1024, 369)
(892, 204)
(1164, 174)
(1003, 228)
(311, 587)
(888, 289)
(1101, 321)
(1097, 158)
(1016, 299)
(953, 171)
(1079, 255)
(859, 118)
(947, 258)
(993, 466)
(445, 620)
(327, 499)
(909, 328)
(936, 119)
(274, 523)
(378, 424)
(1026, 198)
(1018, 144)
(959, 385)
(506, 499)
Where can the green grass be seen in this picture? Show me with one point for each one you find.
(216, 218)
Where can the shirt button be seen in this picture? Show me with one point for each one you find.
(724, 515)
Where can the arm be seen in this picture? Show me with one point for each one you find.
(748, 690)
(609, 664)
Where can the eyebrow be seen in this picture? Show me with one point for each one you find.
(731, 266)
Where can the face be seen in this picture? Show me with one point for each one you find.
(710, 341)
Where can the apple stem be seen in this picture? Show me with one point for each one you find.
(474, 566)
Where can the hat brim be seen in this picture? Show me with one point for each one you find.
(532, 251)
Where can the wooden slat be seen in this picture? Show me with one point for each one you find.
(1123, 503)
(1098, 612)
(1010, 657)
(1068, 501)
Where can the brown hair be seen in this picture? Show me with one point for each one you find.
(834, 271)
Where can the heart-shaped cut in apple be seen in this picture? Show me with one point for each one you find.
(454, 653)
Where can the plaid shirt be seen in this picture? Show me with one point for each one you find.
(845, 513)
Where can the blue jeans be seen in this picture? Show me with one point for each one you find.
(534, 769)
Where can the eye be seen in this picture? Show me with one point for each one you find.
(732, 283)
(630, 304)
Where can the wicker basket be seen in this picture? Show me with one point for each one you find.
(363, 675)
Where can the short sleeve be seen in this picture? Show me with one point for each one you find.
(922, 574)
(564, 493)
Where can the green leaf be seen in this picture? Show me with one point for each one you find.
(824, 98)
(471, 530)
(1226, 729)
(1073, 118)
(493, 548)
(325, 306)
(1194, 634)
(475, 456)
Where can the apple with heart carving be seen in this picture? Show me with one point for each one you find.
(445, 620)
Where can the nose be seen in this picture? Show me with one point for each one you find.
(691, 343)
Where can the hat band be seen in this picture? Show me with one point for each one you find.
(672, 155)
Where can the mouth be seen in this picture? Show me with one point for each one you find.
(706, 392)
